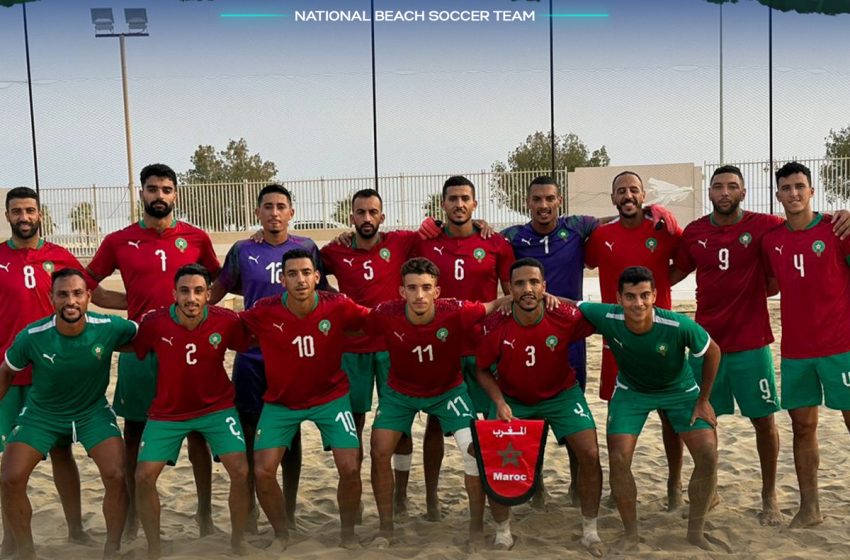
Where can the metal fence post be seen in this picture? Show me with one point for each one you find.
(324, 201)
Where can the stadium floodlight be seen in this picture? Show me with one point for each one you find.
(137, 20)
(103, 20)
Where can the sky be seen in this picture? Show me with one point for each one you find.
(450, 97)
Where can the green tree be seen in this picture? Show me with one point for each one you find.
(83, 220)
(535, 155)
(223, 203)
(835, 173)
(48, 226)
(434, 206)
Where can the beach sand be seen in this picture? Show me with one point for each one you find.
(553, 533)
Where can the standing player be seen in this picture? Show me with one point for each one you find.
(649, 344)
(26, 262)
(148, 254)
(812, 269)
(530, 351)
(632, 240)
(193, 393)
(471, 268)
(725, 248)
(70, 354)
(254, 270)
(425, 375)
(302, 334)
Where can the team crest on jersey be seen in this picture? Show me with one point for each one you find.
(325, 326)
(563, 234)
(442, 334)
(97, 351)
(48, 267)
(385, 254)
(818, 247)
(661, 348)
(181, 244)
(551, 342)
(651, 244)
(745, 239)
(479, 254)
(215, 340)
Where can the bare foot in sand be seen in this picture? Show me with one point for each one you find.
(771, 514)
(433, 513)
(674, 498)
(699, 540)
(476, 542)
(81, 537)
(628, 543)
(808, 518)
(594, 545)
(279, 544)
(206, 527)
(349, 541)
(715, 501)
(401, 508)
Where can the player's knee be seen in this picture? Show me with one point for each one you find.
(348, 468)
(463, 437)
(113, 475)
(588, 456)
(239, 472)
(144, 478)
(804, 427)
(264, 472)
(13, 479)
(619, 459)
(705, 455)
(379, 452)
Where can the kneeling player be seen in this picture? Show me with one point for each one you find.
(70, 353)
(302, 338)
(650, 346)
(193, 394)
(423, 337)
(530, 349)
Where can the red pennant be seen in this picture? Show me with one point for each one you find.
(510, 456)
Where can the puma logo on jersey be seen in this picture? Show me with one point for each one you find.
(509, 342)
(134, 243)
(399, 335)
(278, 327)
(703, 242)
(49, 357)
(618, 342)
(349, 262)
(610, 245)
(168, 340)
(253, 258)
(778, 249)
(5, 266)
(526, 241)
(439, 250)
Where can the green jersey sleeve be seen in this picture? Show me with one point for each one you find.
(125, 330)
(695, 337)
(598, 314)
(18, 354)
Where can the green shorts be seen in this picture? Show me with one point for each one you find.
(10, 407)
(567, 412)
(43, 431)
(746, 377)
(812, 381)
(628, 409)
(479, 397)
(278, 425)
(136, 386)
(365, 372)
(161, 440)
(397, 410)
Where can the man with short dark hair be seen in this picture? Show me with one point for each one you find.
(147, 254)
(254, 270)
(650, 344)
(70, 353)
(193, 393)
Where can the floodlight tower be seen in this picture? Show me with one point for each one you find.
(137, 26)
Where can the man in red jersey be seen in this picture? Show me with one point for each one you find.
(725, 248)
(148, 254)
(632, 240)
(26, 263)
(471, 268)
(193, 393)
(813, 272)
(423, 337)
(530, 349)
(301, 337)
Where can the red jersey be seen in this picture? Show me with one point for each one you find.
(190, 379)
(731, 280)
(148, 261)
(303, 356)
(811, 266)
(25, 286)
(612, 247)
(470, 267)
(533, 361)
(369, 276)
(425, 360)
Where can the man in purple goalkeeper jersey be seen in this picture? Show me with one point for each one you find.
(253, 270)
